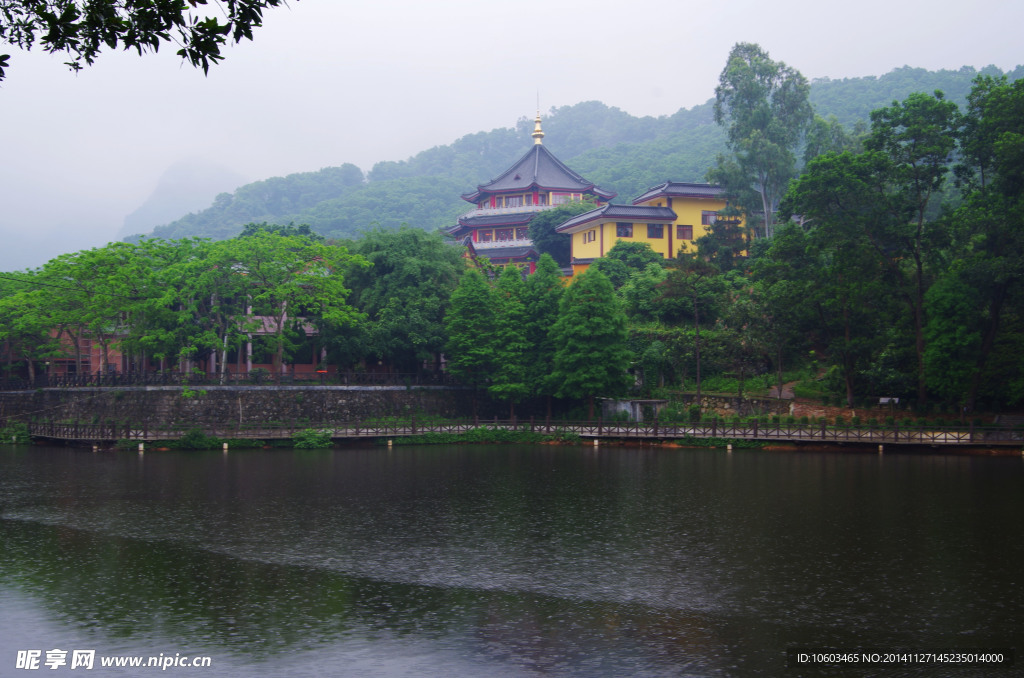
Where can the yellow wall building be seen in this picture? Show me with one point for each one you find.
(668, 217)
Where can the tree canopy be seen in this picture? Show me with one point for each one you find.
(765, 108)
(82, 29)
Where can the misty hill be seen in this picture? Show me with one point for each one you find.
(186, 185)
(614, 149)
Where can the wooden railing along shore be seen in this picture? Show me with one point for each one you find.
(966, 435)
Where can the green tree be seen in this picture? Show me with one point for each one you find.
(82, 29)
(785, 279)
(827, 135)
(765, 106)
(918, 138)
(726, 241)
(293, 283)
(470, 323)
(301, 230)
(695, 283)
(404, 293)
(512, 353)
(738, 329)
(544, 237)
(841, 198)
(641, 292)
(625, 258)
(108, 284)
(989, 226)
(591, 356)
(953, 336)
(26, 324)
(544, 290)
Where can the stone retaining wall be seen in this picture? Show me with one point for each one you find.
(245, 404)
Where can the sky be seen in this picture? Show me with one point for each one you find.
(327, 82)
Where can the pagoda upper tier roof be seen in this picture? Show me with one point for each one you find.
(541, 169)
(681, 189)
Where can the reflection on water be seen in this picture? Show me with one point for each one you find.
(506, 560)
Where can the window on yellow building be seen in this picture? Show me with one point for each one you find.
(655, 231)
(707, 218)
(590, 236)
(542, 198)
(684, 232)
(503, 234)
(485, 236)
(514, 201)
(623, 229)
(522, 233)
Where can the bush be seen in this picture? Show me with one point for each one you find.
(840, 422)
(258, 375)
(15, 433)
(195, 439)
(311, 439)
(855, 421)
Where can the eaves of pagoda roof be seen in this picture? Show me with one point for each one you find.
(681, 189)
(513, 219)
(611, 212)
(511, 249)
(539, 169)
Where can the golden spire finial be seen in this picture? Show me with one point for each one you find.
(538, 133)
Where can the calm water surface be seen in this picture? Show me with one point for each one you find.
(507, 560)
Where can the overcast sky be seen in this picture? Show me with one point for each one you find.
(328, 81)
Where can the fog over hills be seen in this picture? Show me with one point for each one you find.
(610, 147)
(185, 186)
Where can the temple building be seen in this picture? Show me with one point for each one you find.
(498, 226)
(669, 217)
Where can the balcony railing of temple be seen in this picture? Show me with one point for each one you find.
(492, 211)
(494, 244)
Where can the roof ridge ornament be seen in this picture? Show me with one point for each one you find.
(538, 133)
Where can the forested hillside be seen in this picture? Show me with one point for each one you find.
(605, 144)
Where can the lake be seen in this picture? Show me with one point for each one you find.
(514, 560)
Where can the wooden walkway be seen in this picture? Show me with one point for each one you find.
(813, 433)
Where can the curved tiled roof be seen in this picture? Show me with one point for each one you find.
(538, 168)
(515, 219)
(623, 212)
(515, 249)
(467, 223)
(681, 189)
